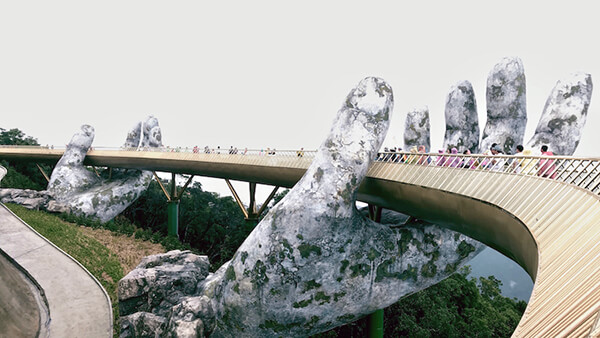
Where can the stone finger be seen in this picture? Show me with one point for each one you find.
(417, 129)
(462, 121)
(506, 106)
(564, 115)
(69, 174)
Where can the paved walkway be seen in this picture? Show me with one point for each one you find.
(79, 306)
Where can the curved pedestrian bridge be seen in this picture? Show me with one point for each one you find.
(549, 225)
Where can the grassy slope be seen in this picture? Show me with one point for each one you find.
(107, 256)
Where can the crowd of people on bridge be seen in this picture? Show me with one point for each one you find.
(493, 159)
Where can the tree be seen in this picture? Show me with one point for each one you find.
(22, 175)
(455, 307)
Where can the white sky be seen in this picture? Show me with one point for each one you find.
(272, 73)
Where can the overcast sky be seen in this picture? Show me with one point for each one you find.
(273, 73)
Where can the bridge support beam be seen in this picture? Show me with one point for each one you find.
(43, 173)
(376, 318)
(250, 214)
(173, 199)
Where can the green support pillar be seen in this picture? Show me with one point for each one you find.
(376, 324)
(173, 218)
(375, 318)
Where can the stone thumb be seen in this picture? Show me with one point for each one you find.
(78, 147)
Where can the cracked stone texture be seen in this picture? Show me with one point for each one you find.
(314, 262)
(160, 281)
(31, 199)
(506, 106)
(564, 115)
(84, 192)
(462, 122)
(416, 129)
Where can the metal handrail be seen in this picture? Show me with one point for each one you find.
(581, 172)
(578, 171)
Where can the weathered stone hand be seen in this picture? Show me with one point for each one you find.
(560, 125)
(73, 185)
(314, 263)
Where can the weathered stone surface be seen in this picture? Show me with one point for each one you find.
(84, 192)
(54, 206)
(142, 324)
(159, 282)
(506, 106)
(31, 199)
(191, 317)
(315, 252)
(2, 172)
(314, 262)
(416, 129)
(564, 115)
(462, 122)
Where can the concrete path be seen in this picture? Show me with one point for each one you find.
(78, 305)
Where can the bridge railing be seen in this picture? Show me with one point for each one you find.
(582, 172)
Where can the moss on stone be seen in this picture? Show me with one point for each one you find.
(429, 269)
(273, 258)
(230, 273)
(259, 274)
(306, 249)
(243, 256)
(322, 297)
(345, 318)
(299, 236)
(382, 270)
(302, 303)
(450, 268)
(464, 249)
(410, 273)
(359, 270)
(345, 264)
(429, 239)
(311, 284)
(373, 254)
(236, 288)
(405, 238)
(311, 323)
(338, 295)
(388, 245)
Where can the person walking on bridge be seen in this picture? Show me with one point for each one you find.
(547, 168)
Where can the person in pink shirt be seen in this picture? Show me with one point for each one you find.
(547, 167)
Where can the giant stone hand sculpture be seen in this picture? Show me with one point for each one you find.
(313, 263)
(560, 125)
(85, 193)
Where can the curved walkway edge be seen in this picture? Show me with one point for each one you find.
(79, 306)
